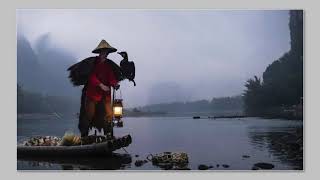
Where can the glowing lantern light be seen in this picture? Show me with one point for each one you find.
(117, 108)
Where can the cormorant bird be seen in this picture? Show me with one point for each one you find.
(127, 67)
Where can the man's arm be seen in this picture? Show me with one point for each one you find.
(95, 82)
(113, 81)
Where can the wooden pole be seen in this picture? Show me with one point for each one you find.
(113, 94)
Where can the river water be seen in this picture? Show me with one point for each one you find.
(238, 143)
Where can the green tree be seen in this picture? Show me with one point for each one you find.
(253, 96)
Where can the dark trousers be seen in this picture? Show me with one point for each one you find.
(95, 114)
(91, 107)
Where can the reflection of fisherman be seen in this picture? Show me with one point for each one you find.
(100, 81)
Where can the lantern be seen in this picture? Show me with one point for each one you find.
(117, 108)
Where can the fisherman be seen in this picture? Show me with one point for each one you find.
(100, 81)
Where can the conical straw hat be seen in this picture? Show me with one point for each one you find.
(104, 45)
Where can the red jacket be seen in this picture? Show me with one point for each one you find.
(102, 73)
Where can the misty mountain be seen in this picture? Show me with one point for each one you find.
(167, 92)
(30, 74)
(43, 69)
(55, 61)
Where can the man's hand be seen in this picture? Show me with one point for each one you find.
(104, 87)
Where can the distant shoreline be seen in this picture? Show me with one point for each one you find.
(157, 114)
(35, 115)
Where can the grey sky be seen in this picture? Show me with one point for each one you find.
(203, 53)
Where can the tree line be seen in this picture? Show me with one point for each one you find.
(234, 103)
(32, 102)
(282, 81)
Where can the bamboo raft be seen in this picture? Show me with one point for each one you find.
(95, 149)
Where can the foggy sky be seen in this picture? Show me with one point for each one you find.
(199, 54)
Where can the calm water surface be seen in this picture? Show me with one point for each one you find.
(207, 141)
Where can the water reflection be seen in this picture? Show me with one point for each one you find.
(286, 146)
(209, 142)
(112, 162)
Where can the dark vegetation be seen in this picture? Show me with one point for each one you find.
(281, 88)
(31, 102)
(222, 105)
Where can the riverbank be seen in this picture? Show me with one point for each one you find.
(291, 112)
